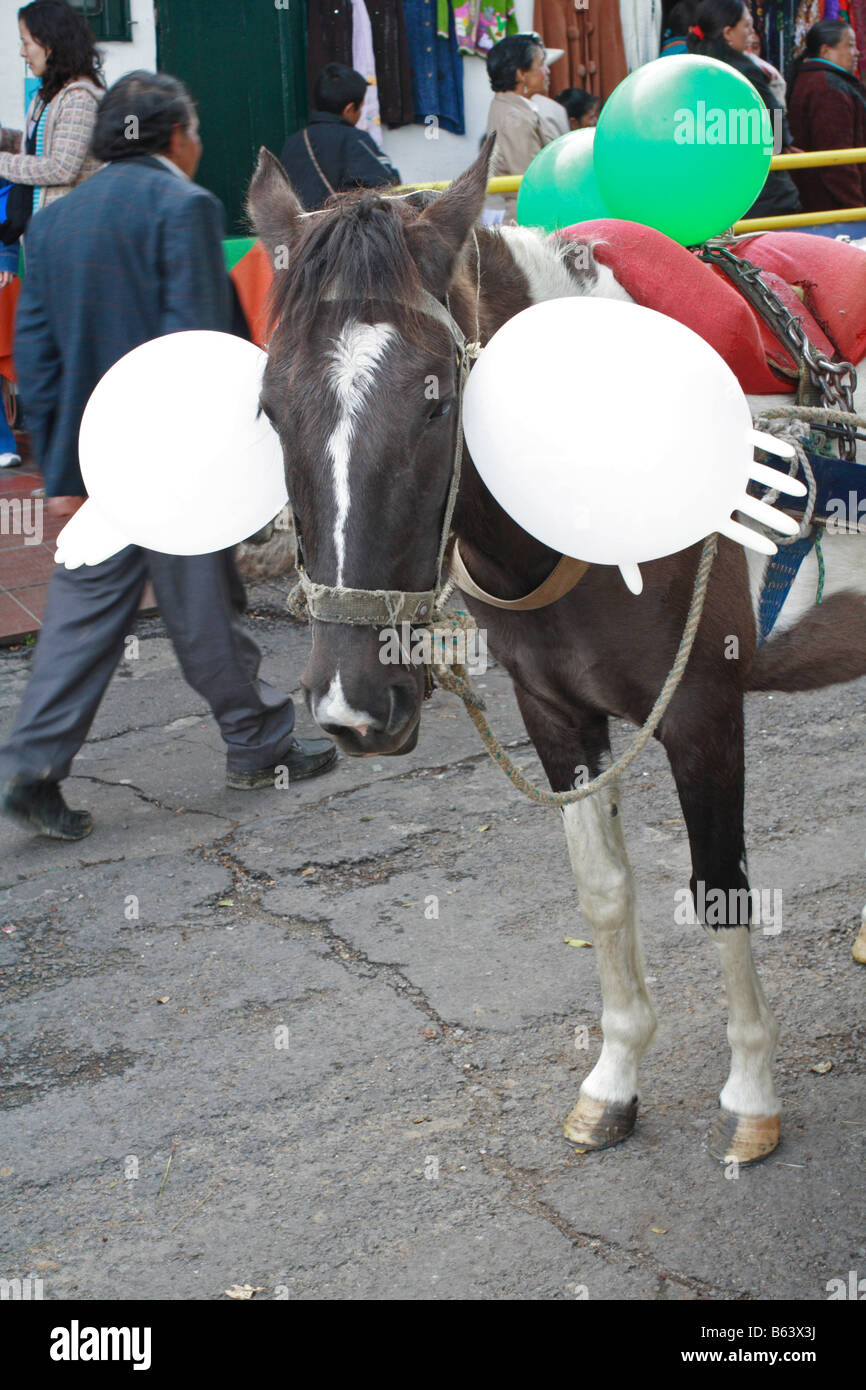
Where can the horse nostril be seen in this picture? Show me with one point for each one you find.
(401, 707)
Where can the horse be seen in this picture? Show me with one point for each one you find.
(371, 299)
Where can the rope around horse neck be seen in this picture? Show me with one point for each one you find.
(455, 680)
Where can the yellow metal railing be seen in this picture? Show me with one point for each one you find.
(813, 159)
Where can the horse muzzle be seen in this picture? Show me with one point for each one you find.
(362, 712)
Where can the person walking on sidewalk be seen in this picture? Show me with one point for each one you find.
(129, 255)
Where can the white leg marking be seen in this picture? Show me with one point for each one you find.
(333, 708)
(605, 887)
(357, 353)
(752, 1029)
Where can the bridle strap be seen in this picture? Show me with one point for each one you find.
(365, 607)
(328, 603)
(332, 603)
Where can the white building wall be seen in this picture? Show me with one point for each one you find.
(119, 57)
(423, 160)
(419, 158)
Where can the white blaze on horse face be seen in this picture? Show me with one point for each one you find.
(333, 709)
(358, 351)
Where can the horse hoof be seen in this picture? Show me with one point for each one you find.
(858, 950)
(594, 1125)
(742, 1138)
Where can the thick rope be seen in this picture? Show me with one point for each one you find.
(786, 429)
(819, 415)
(456, 680)
(819, 555)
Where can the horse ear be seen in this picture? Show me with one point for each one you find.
(272, 206)
(436, 238)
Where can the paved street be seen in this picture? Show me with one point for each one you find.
(362, 1099)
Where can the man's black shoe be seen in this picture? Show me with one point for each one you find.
(40, 806)
(300, 757)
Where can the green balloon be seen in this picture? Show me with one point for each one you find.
(559, 187)
(683, 145)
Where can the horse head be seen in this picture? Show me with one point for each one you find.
(362, 385)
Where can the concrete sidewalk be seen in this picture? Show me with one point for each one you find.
(362, 1098)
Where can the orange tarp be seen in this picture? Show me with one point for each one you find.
(252, 276)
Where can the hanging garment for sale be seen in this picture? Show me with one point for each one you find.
(393, 69)
(858, 20)
(329, 36)
(437, 69)
(641, 22)
(592, 40)
(809, 12)
(479, 25)
(775, 22)
(364, 62)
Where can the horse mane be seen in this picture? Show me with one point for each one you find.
(355, 249)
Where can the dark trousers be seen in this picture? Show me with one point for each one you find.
(92, 609)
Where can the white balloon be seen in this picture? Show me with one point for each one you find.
(88, 538)
(175, 454)
(612, 433)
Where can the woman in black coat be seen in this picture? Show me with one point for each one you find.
(722, 29)
(827, 102)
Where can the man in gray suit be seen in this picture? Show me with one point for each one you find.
(132, 253)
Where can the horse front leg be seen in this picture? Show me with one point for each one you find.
(746, 1128)
(607, 1108)
(708, 768)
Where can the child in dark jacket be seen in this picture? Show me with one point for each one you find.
(330, 155)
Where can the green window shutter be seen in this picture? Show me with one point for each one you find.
(109, 19)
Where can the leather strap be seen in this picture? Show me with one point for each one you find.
(566, 573)
(316, 165)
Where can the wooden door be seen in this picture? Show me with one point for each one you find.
(244, 63)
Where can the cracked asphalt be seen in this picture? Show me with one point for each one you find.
(321, 1040)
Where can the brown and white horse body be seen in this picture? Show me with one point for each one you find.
(556, 269)
(594, 837)
(369, 458)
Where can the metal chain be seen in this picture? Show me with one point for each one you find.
(836, 381)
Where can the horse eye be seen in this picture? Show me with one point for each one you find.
(441, 408)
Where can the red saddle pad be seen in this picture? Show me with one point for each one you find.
(662, 275)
